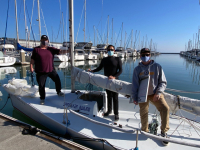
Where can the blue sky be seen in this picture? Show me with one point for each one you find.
(169, 23)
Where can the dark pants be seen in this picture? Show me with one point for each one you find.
(41, 79)
(112, 95)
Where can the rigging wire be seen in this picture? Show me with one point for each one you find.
(79, 23)
(128, 40)
(118, 35)
(30, 26)
(45, 24)
(88, 30)
(5, 103)
(31, 21)
(60, 22)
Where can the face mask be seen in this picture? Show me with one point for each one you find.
(110, 53)
(145, 58)
(45, 43)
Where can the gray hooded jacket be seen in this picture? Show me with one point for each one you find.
(157, 83)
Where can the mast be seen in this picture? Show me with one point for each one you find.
(25, 21)
(135, 39)
(16, 21)
(112, 31)
(139, 40)
(85, 21)
(39, 18)
(71, 37)
(97, 37)
(63, 28)
(131, 38)
(107, 30)
(94, 35)
(121, 35)
(125, 41)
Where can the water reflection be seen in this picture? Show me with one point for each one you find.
(193, 68)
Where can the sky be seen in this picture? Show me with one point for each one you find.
(169, 24)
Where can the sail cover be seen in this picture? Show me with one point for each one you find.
(175, 102)
(20, 87)
(102, 81)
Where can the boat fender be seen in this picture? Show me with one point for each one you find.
(68, 122)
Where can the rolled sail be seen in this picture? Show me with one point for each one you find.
(175, 102)
(102, 81)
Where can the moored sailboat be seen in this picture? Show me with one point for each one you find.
(79, 114)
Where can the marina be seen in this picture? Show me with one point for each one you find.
(120, 89)
(183, 66)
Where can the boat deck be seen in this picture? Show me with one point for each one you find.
(129, 119)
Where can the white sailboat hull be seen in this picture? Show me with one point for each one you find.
(7, 61)
(87, 122)
(52, 116)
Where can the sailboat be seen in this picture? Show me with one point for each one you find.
(6, 60)
(79, 113)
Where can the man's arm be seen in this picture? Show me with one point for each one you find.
(162, 82)
(31, 65)
(135, 86)
(63, 51)
(100, 67)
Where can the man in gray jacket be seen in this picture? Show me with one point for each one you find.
(157, 85)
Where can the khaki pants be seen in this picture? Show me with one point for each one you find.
(161, 106)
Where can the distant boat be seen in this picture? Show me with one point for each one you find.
(6, 60)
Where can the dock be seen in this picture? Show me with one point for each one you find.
(15, 135)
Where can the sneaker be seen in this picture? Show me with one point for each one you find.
(61, 94)
(165, 143)
(42, 101)
(107, 113)
(116, 117)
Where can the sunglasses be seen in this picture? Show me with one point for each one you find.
(110, 49)
(143, 55)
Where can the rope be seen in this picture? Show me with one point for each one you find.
(5, 103)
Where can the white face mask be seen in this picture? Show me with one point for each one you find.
(145, 58)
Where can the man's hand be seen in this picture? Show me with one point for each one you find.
(31, 69)
(89, 70)
(111, 77)
(135, 102)
(32, 62)
(156, 97)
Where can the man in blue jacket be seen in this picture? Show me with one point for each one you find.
(157, 85)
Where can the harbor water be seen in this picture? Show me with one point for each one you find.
(181, 74)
